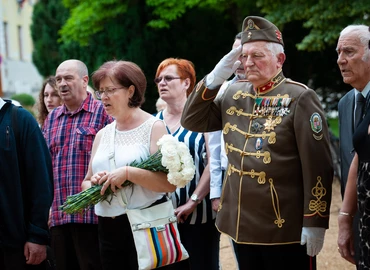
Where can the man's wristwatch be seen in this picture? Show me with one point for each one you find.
(194, 198)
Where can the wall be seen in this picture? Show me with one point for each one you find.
(18, 73)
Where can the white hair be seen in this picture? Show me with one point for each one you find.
(275, 48)
(363, 33)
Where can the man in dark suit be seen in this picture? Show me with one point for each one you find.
(345, 109)
(352, 65)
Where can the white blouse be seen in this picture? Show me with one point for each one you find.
(128, 146)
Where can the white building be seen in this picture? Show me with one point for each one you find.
(18, 73)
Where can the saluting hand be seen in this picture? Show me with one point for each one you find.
(224, 69)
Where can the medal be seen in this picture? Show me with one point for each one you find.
(258, 103)
(258, 144)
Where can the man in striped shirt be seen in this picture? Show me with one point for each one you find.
(69, 131)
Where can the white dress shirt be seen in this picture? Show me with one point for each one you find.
(218, 157)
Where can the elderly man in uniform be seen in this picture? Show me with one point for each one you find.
(277, 191)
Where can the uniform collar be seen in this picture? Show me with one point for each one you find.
(271, 84)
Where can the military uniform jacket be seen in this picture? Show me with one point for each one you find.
(280, 172)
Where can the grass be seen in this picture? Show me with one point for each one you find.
(334, 126)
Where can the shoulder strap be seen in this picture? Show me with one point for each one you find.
(112, 162)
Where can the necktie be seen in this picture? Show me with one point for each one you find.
(360, 104)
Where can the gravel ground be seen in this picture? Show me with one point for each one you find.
(328, 259)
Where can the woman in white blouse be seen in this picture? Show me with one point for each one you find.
(132, 136)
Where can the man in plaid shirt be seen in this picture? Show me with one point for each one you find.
(69, 131)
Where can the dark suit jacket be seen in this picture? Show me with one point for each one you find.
(345, 109)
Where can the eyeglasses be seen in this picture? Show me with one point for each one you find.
(107, 92)
(166, 78)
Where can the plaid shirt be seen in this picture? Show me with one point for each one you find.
(69, 137)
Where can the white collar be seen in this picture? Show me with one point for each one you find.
(365, 91)
(2, 102)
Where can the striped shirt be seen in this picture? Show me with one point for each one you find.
(69, 137)
(196, 144)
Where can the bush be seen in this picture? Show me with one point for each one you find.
(333, 125)
(26, 100)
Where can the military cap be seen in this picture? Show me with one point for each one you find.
(259, 29)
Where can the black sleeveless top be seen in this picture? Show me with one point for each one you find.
(361, 138)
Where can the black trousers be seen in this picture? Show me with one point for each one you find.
(13, 259)
(287, 257)
(76, 246)
(117, 246)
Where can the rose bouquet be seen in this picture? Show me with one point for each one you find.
(173, 158)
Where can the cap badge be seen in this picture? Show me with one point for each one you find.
(252, 25)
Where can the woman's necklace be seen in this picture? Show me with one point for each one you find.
(171, 127)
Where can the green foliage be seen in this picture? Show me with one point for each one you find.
(47, 18)
(324, 19)
(88, 17)
(148, 31)
(334, 126)
(26, 100)
(167, 11)
(128, 37)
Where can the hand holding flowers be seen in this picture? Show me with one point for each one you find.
(114, 180)
(173, 158)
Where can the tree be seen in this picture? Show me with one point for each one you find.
(47, 18)
(323, 19)
(89, 16)
(128, 37)
(148, 31)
